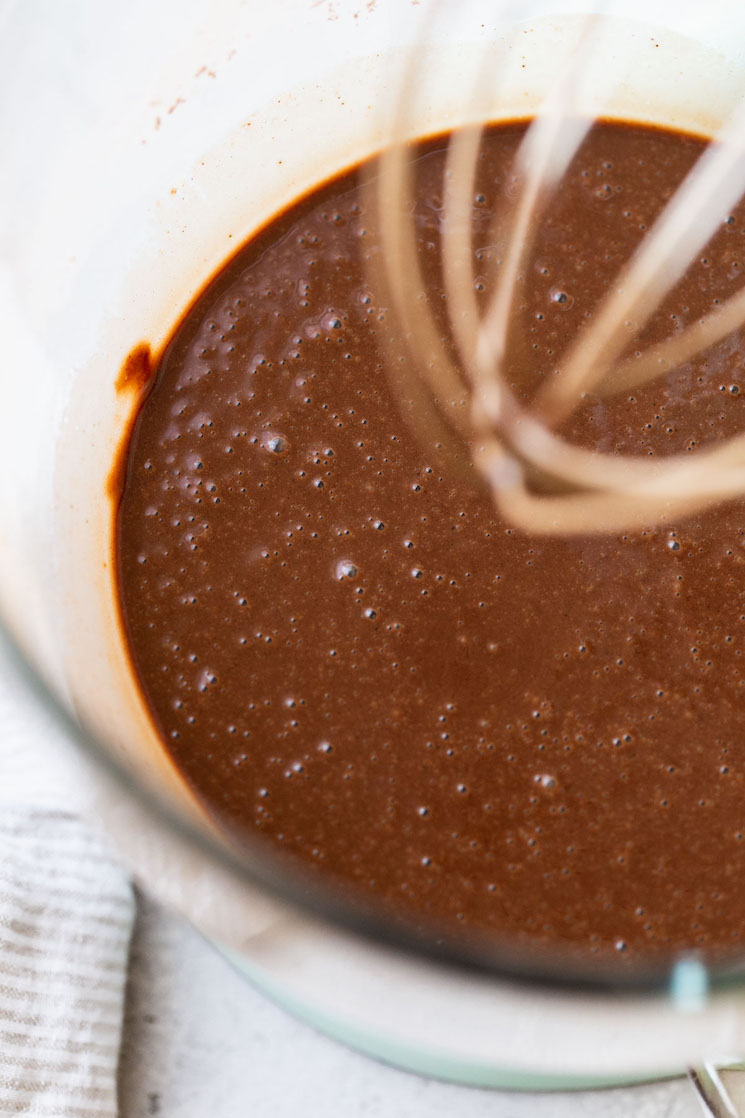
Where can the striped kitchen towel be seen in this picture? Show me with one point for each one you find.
(66, 914)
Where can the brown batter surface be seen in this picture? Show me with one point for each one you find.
(346, 650)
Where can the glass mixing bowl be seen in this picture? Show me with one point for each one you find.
(141, 144)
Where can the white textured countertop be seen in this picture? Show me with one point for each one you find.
(200, 1041)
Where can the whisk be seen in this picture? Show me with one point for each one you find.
(540, 481)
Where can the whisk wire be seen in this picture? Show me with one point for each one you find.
(713, 186)
(458, 391)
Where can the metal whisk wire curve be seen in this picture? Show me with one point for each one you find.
(462, 400)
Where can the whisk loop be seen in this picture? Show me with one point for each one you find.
(539, 480)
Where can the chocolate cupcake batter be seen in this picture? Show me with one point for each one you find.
(346, 650)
